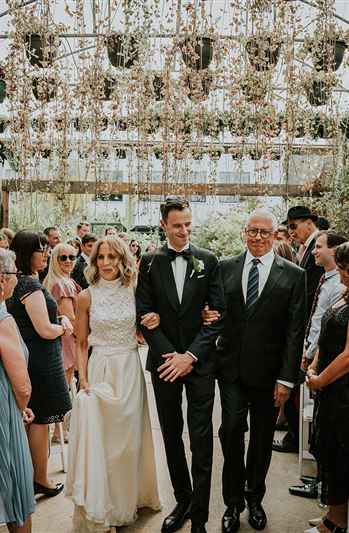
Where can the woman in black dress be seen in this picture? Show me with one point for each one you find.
(35, 313)
(331, 414)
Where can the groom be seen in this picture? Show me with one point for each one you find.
(176, 282)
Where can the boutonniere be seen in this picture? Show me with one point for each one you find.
(198, 266)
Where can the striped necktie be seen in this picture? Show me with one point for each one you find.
(252, 283)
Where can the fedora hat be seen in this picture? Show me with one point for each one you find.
(300, 211)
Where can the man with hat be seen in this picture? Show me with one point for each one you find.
(301, 224)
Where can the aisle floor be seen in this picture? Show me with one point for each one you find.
(286, 514)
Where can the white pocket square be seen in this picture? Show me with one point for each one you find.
(202, 276)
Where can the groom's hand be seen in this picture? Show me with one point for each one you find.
(177, 365)
(209, 316)
(150, 320)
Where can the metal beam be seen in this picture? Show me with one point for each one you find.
(144, 189)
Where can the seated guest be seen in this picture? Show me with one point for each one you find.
(83, 260)
(35, 313)
(330, 380)
(17, 501)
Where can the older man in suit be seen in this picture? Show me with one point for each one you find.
(301, 223)
(259, 358)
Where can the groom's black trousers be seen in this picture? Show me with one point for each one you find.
(200, 398)
(246, 481)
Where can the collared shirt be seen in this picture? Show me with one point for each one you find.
(264, 268)
(310, 238)
(86, 258)
(179, 269)
(331, 291)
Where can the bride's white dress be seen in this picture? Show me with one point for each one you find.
(111, 465)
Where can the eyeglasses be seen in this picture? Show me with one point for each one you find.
(13, 273)
(66, 257)
(253, 232)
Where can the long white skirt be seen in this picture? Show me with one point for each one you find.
(111, 464)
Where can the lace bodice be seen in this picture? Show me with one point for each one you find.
(112, 315)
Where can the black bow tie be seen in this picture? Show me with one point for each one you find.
(173, 254)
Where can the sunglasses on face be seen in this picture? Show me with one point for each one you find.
(64, 258)
(253, 232)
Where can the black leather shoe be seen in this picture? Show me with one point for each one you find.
(48, 491)
(198, 528)
(176, 519)
(231, 520)
(305, 491)
(286, 447)
(257, 518)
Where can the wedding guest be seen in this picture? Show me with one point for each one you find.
(282, 234)
(136, 251)
(176, 283)
(302, 228)
(111, 470)
(81, 230)
(151, 248)
(258, 360)
(322, 223)
(3, 241)
(110, 231)
(35, 313)
(9, 234)
(76, 244)
(64, 290)
(330, 380)
(329, 291)
(123, 236)
(16, 479)
(83, 260)
(283, 249)
(53, 236)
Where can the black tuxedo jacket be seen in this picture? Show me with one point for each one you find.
(78, 272)
(314, 273)
(263, 343)
(181, 326)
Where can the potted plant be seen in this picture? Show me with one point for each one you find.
(254, 87)
(263, 50)
(81, 123)
(122, 50)
(158, 152)
(120, 124)
(212, 124)
(39, 124)
(235, 152)
(44, 88)
(239, 122)
(120, 153)
(197, 153)
(147, 121)
(3, 124)
(326, 47)
(344, 125)
(197, 51)
(154, 85)
(318, 88)
(41, 42)
(198, 84)
(215, 152)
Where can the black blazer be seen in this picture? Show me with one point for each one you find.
(78, 272)
(314, 273)
(264, 343)
(181, 326)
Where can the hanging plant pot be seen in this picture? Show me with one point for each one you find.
(254, 87)
(41, 49)
(3, 124)
(39, 124)
(215, 153)
(235, 153)
(158, 152)
(120, 124)
(197, 154)
(44, 89)
(239, 123)
(147, 122)
(199, 85)
(255, 154)
(327, 54)
(197, 52)
(212, 125)
(122, 50)
(120, 153)
(263, 51)
(154, 86)
(344, 126)
(318, 93)
(81, 124)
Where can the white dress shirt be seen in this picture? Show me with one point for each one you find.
(179, 269)
(86, 257)
(264, 267)
(331, 291)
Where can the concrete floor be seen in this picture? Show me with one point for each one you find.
(286, 514)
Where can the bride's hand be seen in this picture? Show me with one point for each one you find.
(150, 320)
(84, 385)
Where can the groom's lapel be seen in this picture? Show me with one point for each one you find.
(167, 278)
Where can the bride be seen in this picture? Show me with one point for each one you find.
(111, 466)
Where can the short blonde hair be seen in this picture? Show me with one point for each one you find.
(127, 263)
(55, 273)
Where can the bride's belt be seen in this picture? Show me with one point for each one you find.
(109, 350)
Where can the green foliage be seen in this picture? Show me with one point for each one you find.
(222, 233)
